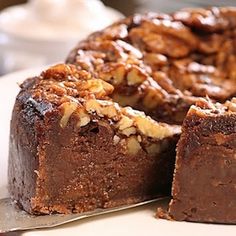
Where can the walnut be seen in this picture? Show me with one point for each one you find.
(84, 118)
(58, 89)
(152, 129)
(133, 145)
(124, 123)
(97, 87)
(125, 126)
(139, 138)
(113, 73)
(61, 71)
(116, 31)
(165, 82)
(148, 127)
(57, 72)
(233, 100)
(155, 59)
(231, 105)
(103, 108)
(124, 100)
(116, 139)
(154, 94)
(158, 42)
(166, 45)
(173, 29)
(68, 109)
(210, 43)
(129, 131)
(136, 76)
(133, 51)
(204, 19)
(152, 98)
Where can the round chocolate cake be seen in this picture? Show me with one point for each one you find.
(100, 131)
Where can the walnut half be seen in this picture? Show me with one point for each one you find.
(68, 109)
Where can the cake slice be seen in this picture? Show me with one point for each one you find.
(204, 186)
(72, 149)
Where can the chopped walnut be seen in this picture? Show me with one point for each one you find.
(61, 71)
(116, 139)
(84, 118)
(124, 123)
(136, 76)
(114, 73)
(148, 127)
(123, 100)
(129, 131)
(68, 109)
(97, 87)
(152, 129)
(103, 108)
(133, 145)
(153, 94)
(231, 105)
(155, 60)
(116, 31)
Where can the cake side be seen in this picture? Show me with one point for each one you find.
(83, 150)
(203, 189)
(26, 131)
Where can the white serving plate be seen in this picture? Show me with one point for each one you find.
(137, 221)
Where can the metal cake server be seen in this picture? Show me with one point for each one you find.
(12, 218)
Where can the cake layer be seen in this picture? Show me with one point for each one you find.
(74, 150)
(205, 178)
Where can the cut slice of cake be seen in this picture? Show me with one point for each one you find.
(204, 186)
(72, 149)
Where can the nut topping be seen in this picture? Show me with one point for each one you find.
(97, 87)
(102, 108)
(124, 123)
(84, 118)
(113, 73)
(133, 145)
(68, 109)
(128, 131)
(136, 76)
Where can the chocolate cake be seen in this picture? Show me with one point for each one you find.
(204, 186)
(77, 145)
(162, 64)
(72, 149)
